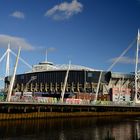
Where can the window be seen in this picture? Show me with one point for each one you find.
(22, 76)
(89, 74)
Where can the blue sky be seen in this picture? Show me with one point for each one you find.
(89, 32)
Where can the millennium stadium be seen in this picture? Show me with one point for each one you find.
(48, 79)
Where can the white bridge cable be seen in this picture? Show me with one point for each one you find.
(3, 56)
(21, 60)
(1, 59)
(110, 68)
(2, 78)
(122, 54)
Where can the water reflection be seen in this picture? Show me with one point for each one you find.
(71, 129)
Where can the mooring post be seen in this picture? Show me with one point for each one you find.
(9, 109)
(24, 109)
(50, 109)
(38, 109)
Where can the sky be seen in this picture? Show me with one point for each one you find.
(91, 33)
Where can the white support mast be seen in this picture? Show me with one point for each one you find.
(8, 61)
(65, 83)
(13, 78)
(98, 86)
(136, 68)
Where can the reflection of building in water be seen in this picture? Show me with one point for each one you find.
(137, 130)
(75, 128)
(124, 131)
(61, 136)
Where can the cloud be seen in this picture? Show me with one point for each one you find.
(123, 60)
(15, 42)
(18, 14)
(64, 10)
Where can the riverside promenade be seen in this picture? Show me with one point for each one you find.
(29, 110)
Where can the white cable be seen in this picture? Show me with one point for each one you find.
(22, 60)
(122, 54)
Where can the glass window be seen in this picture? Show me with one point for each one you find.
(89, 74)
(22, 76)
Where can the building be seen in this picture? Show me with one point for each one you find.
(48, 79)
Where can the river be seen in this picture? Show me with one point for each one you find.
(85, 128)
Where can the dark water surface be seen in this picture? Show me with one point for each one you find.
(89, 128)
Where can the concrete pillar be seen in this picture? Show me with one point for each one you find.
(61, 86)
(38, 109)
(56, 88)
(36, 87)
(78, 87)
(50, 109)
(72, 87)
(41, 87)
(51, 87)
(24, 109)
(9, 109)
(62, 109)
(31, 87)
(22, 87)
(84, 86)
(46, 87)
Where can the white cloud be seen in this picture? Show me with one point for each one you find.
(123, 60)
(64, 10)
(18, 14)
(15, 42)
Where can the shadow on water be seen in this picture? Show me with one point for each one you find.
(86, 128)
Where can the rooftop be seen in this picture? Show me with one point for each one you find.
(49, 66)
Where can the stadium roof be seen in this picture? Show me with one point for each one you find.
(48, 66)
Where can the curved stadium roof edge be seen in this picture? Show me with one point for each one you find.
(51, 67)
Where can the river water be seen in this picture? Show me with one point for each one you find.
(85, 128)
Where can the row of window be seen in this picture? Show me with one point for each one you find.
(51, 77)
